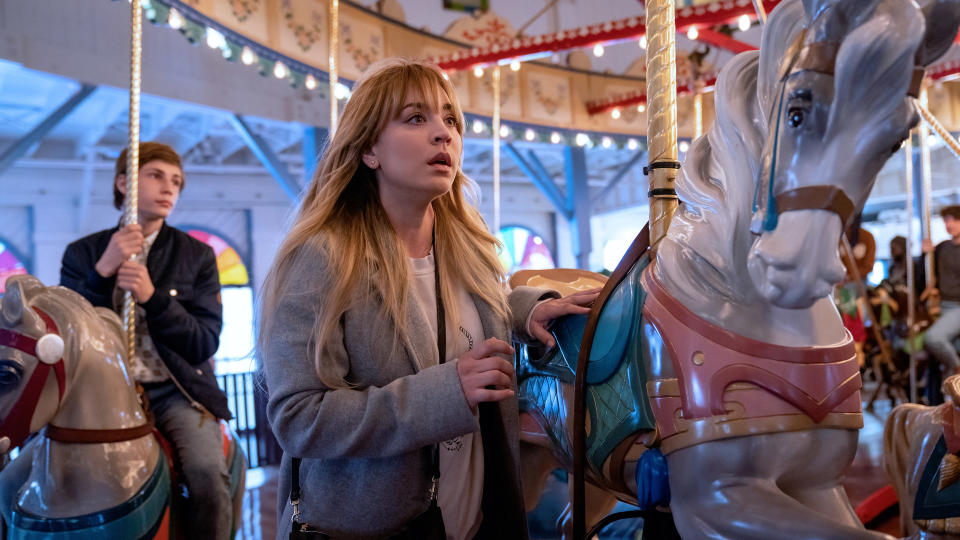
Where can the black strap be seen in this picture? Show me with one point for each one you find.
(295, 471)
(442, 351)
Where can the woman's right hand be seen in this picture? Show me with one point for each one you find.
(485, 376)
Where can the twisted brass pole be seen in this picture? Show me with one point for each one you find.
(496, 149)
(661, 114)
(911, 278)
(334, 42)
(133, 163)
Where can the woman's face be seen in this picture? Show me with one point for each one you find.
(417, 155)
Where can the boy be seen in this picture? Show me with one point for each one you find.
(175, 283)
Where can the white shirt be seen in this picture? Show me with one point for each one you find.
(461, 458)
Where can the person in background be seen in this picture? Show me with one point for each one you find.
(174, 280)
(939, 338)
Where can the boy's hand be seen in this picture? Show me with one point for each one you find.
(123, 244)
(135, 278)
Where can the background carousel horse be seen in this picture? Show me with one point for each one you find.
(96, 471)
(722, 358)
(920, 448)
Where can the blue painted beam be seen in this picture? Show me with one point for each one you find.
(578, 197)
(620, 174)
(314, 143)
(19, 148)
(538, 168)
(267, 157)
(543, 183)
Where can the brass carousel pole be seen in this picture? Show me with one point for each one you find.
(926, 200)
(661, 115)
(911, 278)
(496, 150)
(133, 163)
(334, 40)
(761, 12)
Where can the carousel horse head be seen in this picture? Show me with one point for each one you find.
(45, 332)
(835, 97)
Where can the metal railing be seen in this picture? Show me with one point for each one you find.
(248, 403)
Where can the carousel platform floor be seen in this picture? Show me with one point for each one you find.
(864, 477)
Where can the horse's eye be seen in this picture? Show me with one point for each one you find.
(10, 375)
(795, 117)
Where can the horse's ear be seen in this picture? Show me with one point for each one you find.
(12, 312)
(943, 19)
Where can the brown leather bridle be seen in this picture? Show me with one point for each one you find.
(819, 57)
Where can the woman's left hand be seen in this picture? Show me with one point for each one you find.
(551, 309)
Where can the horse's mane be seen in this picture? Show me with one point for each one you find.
(77, 320)
(719, 175)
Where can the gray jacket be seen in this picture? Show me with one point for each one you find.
(365, 450)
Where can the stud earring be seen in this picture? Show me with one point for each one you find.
(373, 163)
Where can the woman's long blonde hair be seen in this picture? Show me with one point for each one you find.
(341, 216)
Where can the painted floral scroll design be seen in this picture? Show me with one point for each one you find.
(305, 34)
(550, 103)
(362, 55)
(491, 32)
(242, 9)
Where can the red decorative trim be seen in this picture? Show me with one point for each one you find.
(723, 41)
(598, 106)
(944, 70)
(612, 31)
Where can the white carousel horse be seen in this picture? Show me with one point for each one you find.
(920, 448)
(739, 377)
(97, 469)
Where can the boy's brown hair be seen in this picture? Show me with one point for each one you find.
(149, 151)
(953, 211)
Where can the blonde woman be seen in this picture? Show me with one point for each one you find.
(385, 327)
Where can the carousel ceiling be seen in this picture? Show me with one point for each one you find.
(266, 60)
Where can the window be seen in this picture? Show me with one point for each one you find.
(10, 265)
(236, 337)
(523, 250)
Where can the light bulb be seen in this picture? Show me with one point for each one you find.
(504, 131)
(632, 144)
(215, 39)
(582, 139)
(643, 42)
(340, 91)
(247, 56)
(641, 107)
(477, 127)
(555, 138)
(606, 142)
(175, 20)
(515, 65)
(598, 50)
(615, 113)
(280, 70)
(744, 22)
(310, 82)
(478, 72)
(693, 33)
(684, 146)
(529, 134)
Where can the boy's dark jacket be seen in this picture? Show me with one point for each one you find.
(184, 314)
